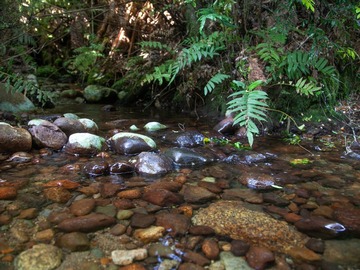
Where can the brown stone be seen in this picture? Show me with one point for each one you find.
(48, 135)
(231, 218)
(57, 194)
(124, 204)
(292, 218)
(8, 193)
(108, 190)
(65, 183)
(5, 219)
(211, 249)
(258, 257)
(57, 217)
(196, 194)
(130, 194)
(304, 254)
(82, 207)
(350, 218)
(29, 213)
(170, 186)
(247, 195)
(190, 266)
(133, 266)
(139, 220)
(239, 247)
(162, 197)
(193, 257)
(176, 223)
(44, 236)
(201, 230)
(74, 241)
(88, 223)
(323, 210)
(212, 187)
(14, 139)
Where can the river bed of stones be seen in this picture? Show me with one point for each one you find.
(134, 193)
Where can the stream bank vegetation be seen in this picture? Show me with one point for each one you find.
(267, 62)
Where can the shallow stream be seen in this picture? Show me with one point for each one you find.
(313, 189)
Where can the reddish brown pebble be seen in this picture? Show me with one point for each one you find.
(211, 249)
(193, 257)
(201, 230)
(57, 194)
(65, 183)
(82, 207)
(133, 266)
(8, 193)
(129, 194)
(259, 257)
(239, 247)
(29, 213)
(292, 218)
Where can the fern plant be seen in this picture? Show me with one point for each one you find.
(297, 66)
(85, 62)
(195, 50)
(250, 105)
(14, 83)
(218, 78)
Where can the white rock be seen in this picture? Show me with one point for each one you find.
(71, 116)
(153, 126)
(89, 125)
(87, 140)
(125, 257)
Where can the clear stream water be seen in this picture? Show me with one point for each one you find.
(329, 179)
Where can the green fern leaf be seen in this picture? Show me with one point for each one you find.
(306, 88)
(309, 4)
(216, 79)
(249, 105)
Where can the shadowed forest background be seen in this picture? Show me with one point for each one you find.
(253, 58)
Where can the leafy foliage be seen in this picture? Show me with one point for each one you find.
(216, 79)
(249, 105)
(195, 50)
(211, 14)
(15, 83)
(85, 61)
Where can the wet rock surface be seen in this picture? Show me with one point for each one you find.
(14, 139)
(203, 205)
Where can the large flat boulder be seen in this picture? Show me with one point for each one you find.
(233, 219)
(14, 102)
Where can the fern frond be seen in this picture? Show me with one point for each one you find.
(216, 79)
(267, 53)
(309, 4)
(249, 105)
(15, 84)
(155, 45)
(211, 14)
(304, 87)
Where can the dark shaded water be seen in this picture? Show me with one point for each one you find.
(328, 186)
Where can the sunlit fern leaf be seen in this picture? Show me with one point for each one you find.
(249, 105)
(216, 79)
(306, 88)
(309, 4)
